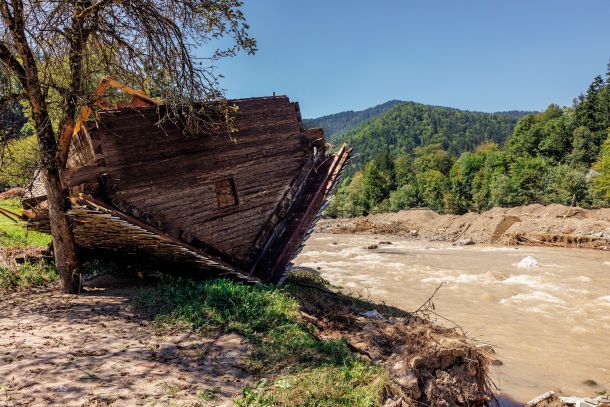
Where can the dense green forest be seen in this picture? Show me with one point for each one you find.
(453, 162)
(409, 125)
(339, 122)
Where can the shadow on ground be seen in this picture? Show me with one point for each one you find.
(95, 349)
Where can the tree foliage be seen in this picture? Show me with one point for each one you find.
(410, 125)
(54, 53)
(20, 162)
(339, 122)
(600, 185)
(561, 155)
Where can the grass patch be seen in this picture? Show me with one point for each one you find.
(27, 275)
(209, 394)
(308, 371)
(355, 384)
(14, 234)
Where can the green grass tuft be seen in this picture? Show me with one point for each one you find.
(266, 316)
(313, 372)
(355, 384)
(27, 275)
(14, 234)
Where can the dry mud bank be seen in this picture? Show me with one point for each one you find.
(552, 225)
(93, 350)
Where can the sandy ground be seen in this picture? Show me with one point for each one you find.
(93, 350)
(553, 225)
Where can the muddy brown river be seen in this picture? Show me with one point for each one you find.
(545, 310)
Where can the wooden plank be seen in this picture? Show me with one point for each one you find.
(282, 249)
(155, 231)
(71, 177)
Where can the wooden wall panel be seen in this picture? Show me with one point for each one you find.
(170, 176)
(81, 151)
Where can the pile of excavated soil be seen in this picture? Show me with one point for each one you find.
(556, 225)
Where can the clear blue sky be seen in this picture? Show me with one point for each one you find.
(484, 55)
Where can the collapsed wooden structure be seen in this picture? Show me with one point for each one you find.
(240, 205)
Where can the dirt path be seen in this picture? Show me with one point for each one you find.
(93, 350)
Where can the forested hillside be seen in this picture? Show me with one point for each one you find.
(338, 122)
(409, 125)
(452, 161)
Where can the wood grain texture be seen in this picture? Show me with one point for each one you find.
(169, 179)
(223, 196)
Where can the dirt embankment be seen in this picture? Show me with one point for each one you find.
(553, 225)
(430, 365)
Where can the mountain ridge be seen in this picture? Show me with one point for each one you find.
(405, 126)
(339, 122)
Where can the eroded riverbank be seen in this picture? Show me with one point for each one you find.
(552, 225)
(549, 323)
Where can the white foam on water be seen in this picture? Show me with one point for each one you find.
(324, 238)
(583, 279)
(347, 252)
(352, 284)
(494, 249)
(528, 262)
(365, 278)
(538, 309)
(533, 296)
(431, 248)
(462, 278)
(315, 253)
(368, 258)
(607, 263)
(327, 264)
(528, 281)
(605, 299)
(394, 265)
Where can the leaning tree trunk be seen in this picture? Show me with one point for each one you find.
(64, 246)
(24, 67)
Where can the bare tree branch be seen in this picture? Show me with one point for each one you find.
(56, 52)
(9, 60)
(92, 9)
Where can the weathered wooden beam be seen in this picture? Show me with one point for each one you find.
(85, 199)
(293, 241)
(71, 177)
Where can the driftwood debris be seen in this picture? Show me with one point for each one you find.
(561, 240)
(241, 204)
